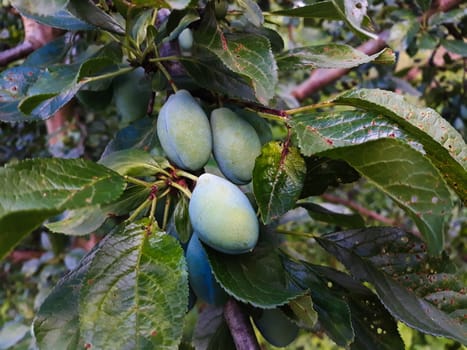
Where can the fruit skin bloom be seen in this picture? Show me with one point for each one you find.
(222, 216)
(184, 131)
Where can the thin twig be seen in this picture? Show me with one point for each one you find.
(240, 326)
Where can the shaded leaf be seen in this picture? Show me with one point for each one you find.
(246, 54)
(257, 278)
(33, 190)
(51, 53)
(90, 13)
(182, 220)
(458, 47)
(441, 142)
(62, 19)
(131, 161)
(211, 331)
(302, 308)
(324, 56)
(417, 289)
(252, 12)
(79, 221)
(40, 7)
(278, 178)
(323, 214)
(409, 179)
(136, 283)
(322, 9)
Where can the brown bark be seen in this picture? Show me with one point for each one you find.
(323, 77)
(240, 326)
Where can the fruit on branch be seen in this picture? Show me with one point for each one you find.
(185, 41)
(184, 131)
(222, 215)
(235, 145)
(202, 281)
(132, 93)
(276, 328)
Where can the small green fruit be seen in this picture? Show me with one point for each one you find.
(202, 281)
(184, 132)
(222, 215)
(276, 328)
(185, 40)
(235, 145)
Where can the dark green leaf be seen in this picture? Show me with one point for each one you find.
(458, 47)
(182, 220)
(453, 16)
(51, 53)
(322, 9)
(34, 190)
(91, 14)
(252, 12)
(322, 172)
(257, 278)
(62, 19)
(320, 213)
(248, 55)
(417, 289)
(136, 283)
(40, 7)
(409, 179)
(304, 314)
(441, 142)
(278, 179)
(323, 56)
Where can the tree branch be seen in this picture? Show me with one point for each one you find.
(240, 326)
(322, 77)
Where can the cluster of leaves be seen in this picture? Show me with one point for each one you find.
(135, 279)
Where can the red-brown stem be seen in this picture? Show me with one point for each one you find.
(240, 326)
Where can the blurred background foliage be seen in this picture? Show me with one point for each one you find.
(430, 71)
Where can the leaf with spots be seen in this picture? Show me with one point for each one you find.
(246, 54)
(349, 312)
(135, 281)
(278, 178)
(422, 291)
(34, 190)
(441, 142)
(325, 56)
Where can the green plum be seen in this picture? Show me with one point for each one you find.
(184, 131)
(235, 145)
(223, 216)
(185, 41)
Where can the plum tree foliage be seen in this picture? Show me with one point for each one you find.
(198, 193)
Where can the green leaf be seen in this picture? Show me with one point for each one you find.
(441, 142)
(136, 283)
(409, 179)
(257, 278)
(62, 19)
(211, 331)
(33, 190)
(458, 47)
(40, 7)
(252, 12)
(453, 16)
(79, 222)
(353, 12)
(320, 213)
(324, 56)
(90, 13)
(11, 333)
(322, 9)
(278, 178)
(133, 162)
(304, 314)
(246, 54)
(417, 289)
(182, 220)
(51, 53)
(322, 172)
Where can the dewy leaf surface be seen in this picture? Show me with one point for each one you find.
(323, 56)
(137, 284)
(278, 178)
(246, 54)
(409, 179)
(33, 190)
(441, 142)
(422, 291)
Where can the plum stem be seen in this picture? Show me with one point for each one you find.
(182, 189)
(240, 326)
(187, 175)
(136, 181)
(310, 107)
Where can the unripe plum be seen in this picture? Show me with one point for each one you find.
(202, 281)
(184, 131)
(235, 145)
(276, 328)
(223, 216)
(185, 40)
